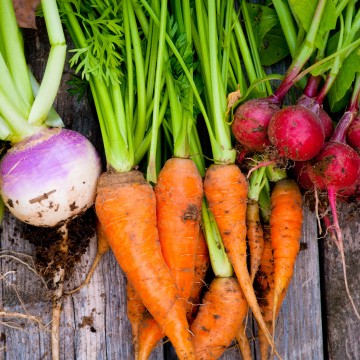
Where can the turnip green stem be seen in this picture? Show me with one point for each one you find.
(12, 40)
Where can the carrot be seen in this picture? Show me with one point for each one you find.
(150, 333)
(102, 248)
(135, 312)
(226, 190)
(202, 263)
(285, 227)
(126, 207)
(223, 308)
(264, 285)
(179, 192)
(255, 236)
(243, 342)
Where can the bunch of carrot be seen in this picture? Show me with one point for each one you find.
(154, 70)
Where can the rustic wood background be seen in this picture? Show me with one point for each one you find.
(316, 321)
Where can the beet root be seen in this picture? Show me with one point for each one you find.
(337, 165)
(251, 121)
(296, 132)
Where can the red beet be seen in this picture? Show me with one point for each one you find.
(296, 132)
(317, 108)
(251, 121)
(326, 122)
(301, 175)
(337, 166)
(353, 133)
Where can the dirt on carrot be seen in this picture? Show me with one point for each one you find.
(179, 192)
(223, 309)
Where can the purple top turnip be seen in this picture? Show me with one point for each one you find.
(49, 177)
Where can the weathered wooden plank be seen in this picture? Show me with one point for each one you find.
(342, 325)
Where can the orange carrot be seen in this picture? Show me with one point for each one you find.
(150, 332)
(226, 190)
(285, 227)
(264, 285)
(254, 236)
(243, 342)
(223, 309)
(126, 207)
(102, 248)
(135, 313)
(202, 263)
(179, 192)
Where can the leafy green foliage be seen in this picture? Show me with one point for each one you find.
(268, 34)
(304, 11)
(103, 54)
(345, 78)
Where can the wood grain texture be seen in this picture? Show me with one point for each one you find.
(94, 323)
(341, 324)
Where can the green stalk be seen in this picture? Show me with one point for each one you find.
(287, 24)
(226, 39)
(244, 49)
(145, 145)
(130, 91)
(237, 68)
(187, 73)
(14, 52)
(54, 67)
(215, 89)
(116, 134)
(140, 77)
(218, 258)
(151, 173)
(303, 55)
(253, 48)
(7, 85)
(18, 124)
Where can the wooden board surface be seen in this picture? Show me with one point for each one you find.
(94, 323)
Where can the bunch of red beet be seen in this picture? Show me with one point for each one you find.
(303, 133)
